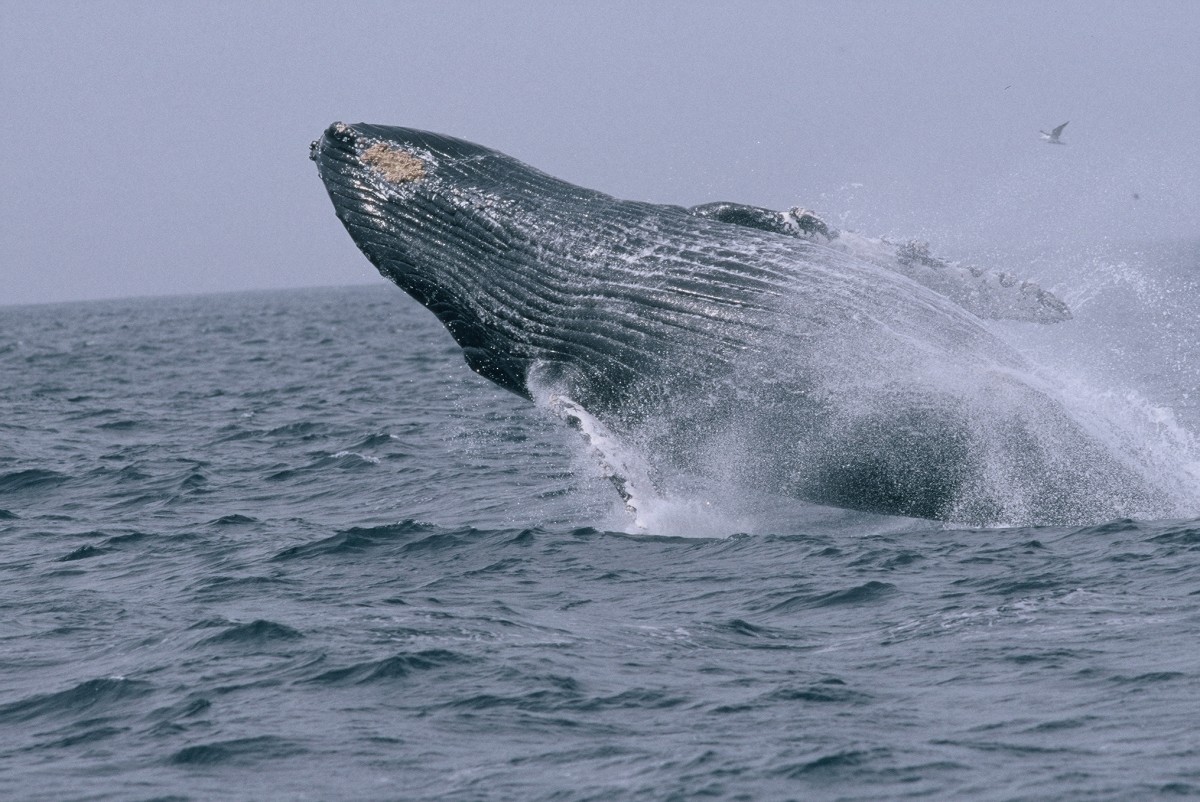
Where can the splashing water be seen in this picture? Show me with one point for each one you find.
(645, 505)
(1134, 434)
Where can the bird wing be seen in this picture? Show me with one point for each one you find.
(1059, 129)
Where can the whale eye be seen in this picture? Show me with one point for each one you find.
(395, 163)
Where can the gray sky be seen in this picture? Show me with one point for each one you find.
(156, 148)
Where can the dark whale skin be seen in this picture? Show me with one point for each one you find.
(840, 383)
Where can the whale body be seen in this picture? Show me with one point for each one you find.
(716, 345)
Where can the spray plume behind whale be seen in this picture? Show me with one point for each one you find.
(722, 347)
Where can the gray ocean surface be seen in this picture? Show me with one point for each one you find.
(286, 545)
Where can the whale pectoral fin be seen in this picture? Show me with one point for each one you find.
(618, 464)
(992, 296)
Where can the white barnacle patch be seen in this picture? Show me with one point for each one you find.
(394, 163)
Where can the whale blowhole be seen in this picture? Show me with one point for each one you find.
(396, 164)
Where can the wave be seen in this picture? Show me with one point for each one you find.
(238, 751)
(31, 479)
(358, 539)
(254, 634)
(91, 697)
(397, 666)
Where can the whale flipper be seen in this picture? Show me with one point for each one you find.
(988, 295)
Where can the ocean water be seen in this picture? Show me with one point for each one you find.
(287, 546)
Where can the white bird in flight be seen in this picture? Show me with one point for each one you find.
(1052, 137)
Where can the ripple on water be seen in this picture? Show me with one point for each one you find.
(254, 634)
(357, 539)
(33, 479)
(238, 751)
(89, 697)
(397, 666)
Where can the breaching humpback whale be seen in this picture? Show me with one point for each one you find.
(726, 338)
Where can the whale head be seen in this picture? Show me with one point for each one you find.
(443, 219)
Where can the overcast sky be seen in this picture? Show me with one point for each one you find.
(154, 148)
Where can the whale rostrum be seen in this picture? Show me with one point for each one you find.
(731, 341)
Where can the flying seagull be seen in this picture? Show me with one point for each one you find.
(1052, 137)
